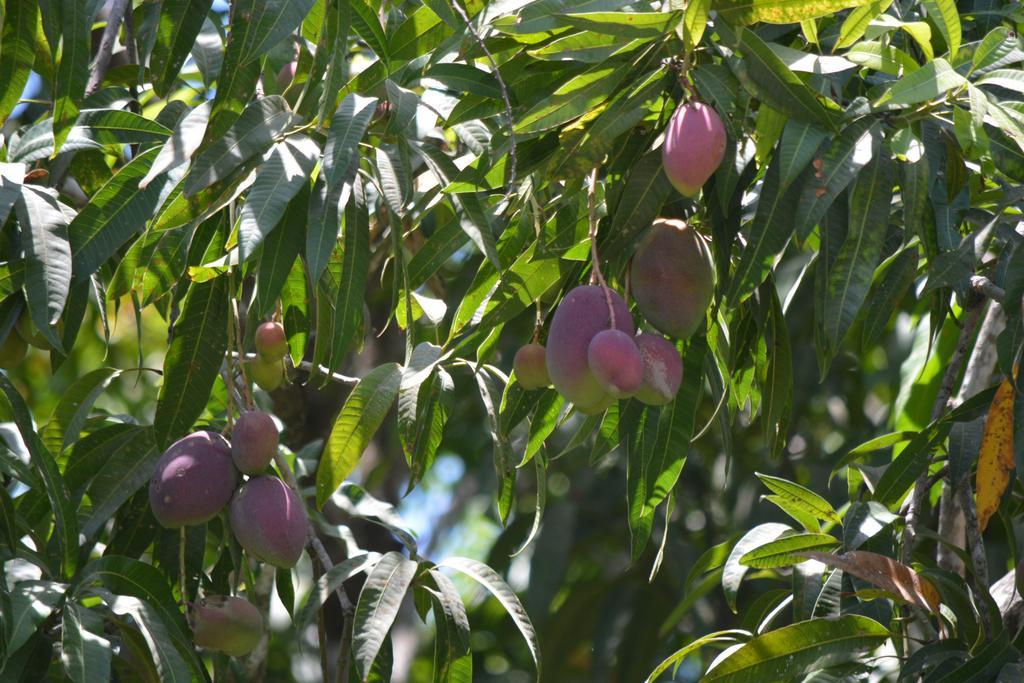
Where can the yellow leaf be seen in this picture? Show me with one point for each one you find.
(995, 459)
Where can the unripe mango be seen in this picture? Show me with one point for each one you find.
(581, 315)
(271, 342)
(226, 624)
(254, 442)
(193, 481)
(268, 374)
(531, 367)
(13, 350)
(663, 369)
(673, 277)
(615, 360)
(693, 148)
(269, 521)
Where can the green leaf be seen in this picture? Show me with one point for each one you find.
(768, 78)
(733, 572)
(490, 393)
(453, 657)
(44, 237)
(125, 470)
(768, 234)
(171, 666)
(85, 655)
(31, 604)
(11, 177)
(367, 26)
(379, 600)
(179, 24)
(17, 52)
(151, 266)
(326, 209)
(849, 152)
(254, 131)
(789, 652)
(995, 48)
(66, 531)
(328, 582)
(490, 580)
(850, 276)
(117, 211)
(200, 338)
(348, 126)
(656, 450)
(802, 497)
(797, 146)
(578, 96)
(1010, 79)
(465, 78)
(363, 412)
(285, 170)
(183, 142)
(625, 24)
(878, 56)
(69, 417)
(277, 256)
(442, 244)
(927, 83)
(946, 16)
(695, 21)
(786, 550)
(419, 34)
(857, 22)
(745, 12)
(888, 294)
(72, 70)
(642, 197)
(899, 476)
(727, 637)
(236, 82)
(267, 23)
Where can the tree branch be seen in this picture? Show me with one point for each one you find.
(978, 558)
(311, 368)
(982, 285)
(99, 67)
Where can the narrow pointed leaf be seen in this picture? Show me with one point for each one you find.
(267, 23)
(180, 23)
(44, 236)
(378, 605)
(348, 126)
(17, 52)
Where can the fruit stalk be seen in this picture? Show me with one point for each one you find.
(595, 262)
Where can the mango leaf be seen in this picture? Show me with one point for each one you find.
(453, 657)
(31, 603)
(330, 581)
(17, 52)
(125, 470)
(995, 48)
(69, 417)
(489, 579)
(277, 256)
(465, 78)
(802, 497)
(579, 95)
(367, 26)
(490, 383)
(797, 146)
(170, 665)
(65, 522)
(625, 24)
(904, 469)
(193, 359)
(734, 571)
(728, 637)
(183, 142)
(285, 170)
(770, 80)
(179, 24)
(44, 237)
(236, 82)
(885, 573)
(946, 16)
(789, 652)
(857, 22)
(253, 132)
(117, 211)
(72, 70)
(849, 278)
(348, 126)
(86, 655)
(996, 462)
(363, 412)
(378, 605)
(927, 83)
(11, 178)
(887, 293)
(267, 23)
(786, 550)
(746, 12)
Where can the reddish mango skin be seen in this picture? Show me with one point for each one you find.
(193, 481)
(285, 75)
(531, 366)
(663, 369)
(693, 148)
(254, 442)
(226, 624)
(673, 278)
(271, 342)
(13, 350)
(269, 521)
(616, 362)
(581, 315)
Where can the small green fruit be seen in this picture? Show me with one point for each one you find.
(226, 624)
(271, 341)
(531, 367)
(268, 374)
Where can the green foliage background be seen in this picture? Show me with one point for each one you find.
(401, 204)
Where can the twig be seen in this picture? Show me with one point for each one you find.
(504, 96)
(978, 558)
(921, 488)
(982, 285)
(249, 403)
(595, 260)
(311, 368)
(181, 570)
(106, 49)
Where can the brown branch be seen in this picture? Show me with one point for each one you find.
(978, 558)
(982, 285)
(311, 368)
(106, 49)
